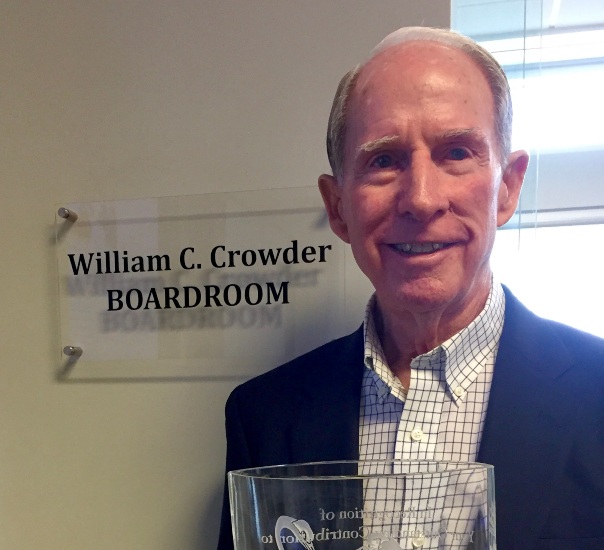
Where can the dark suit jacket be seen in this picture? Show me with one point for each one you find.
(544, 430)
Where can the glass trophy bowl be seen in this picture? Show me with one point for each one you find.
(356, 505)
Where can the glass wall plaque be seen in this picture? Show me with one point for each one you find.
(220, 285)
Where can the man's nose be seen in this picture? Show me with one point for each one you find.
(421, 195)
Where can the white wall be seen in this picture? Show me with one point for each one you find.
(114, 99)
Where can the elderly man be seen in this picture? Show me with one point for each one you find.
(448, 365)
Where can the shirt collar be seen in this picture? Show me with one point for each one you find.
(465, 352)
(374, 356)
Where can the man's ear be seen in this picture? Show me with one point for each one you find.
(511, 185)
(331, 191)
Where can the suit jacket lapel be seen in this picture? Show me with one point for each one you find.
(328, 423)
(529, 425)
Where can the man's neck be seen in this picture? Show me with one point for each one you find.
(405, 335)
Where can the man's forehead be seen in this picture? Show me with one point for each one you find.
(419, 68)
(410, 54)
(414, 74)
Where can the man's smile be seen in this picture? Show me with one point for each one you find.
(419, 248)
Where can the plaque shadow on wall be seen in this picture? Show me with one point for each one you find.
(212, 287)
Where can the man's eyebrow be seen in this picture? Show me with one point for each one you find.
(376, 144)
(474, 134)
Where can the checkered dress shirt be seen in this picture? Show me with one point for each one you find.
(442, 415)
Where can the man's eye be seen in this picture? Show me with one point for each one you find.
(382, 161)
(458, 153)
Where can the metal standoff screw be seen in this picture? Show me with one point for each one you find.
(72, 351)
(67, 214)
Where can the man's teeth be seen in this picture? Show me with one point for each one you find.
(419, 248)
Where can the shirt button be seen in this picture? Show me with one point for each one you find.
(417, 434)
(383, 392)
(418, 541)
(458, 391)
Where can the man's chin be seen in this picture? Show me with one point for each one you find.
(425, 296)
(434, 296)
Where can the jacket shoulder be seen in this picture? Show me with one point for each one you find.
(326, 362)
(547, 342)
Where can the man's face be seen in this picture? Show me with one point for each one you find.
(422, 191)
